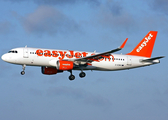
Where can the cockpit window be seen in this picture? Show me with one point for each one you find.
(10, 52)
(13, 51)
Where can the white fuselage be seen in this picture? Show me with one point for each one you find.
(48, 57)
(54, 61)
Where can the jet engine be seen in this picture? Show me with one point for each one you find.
(64, 65)
(50, 70)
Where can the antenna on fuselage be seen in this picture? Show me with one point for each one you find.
(26, 46)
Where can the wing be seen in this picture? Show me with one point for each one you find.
(96, 57)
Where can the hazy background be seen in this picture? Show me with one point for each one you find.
(85, 25)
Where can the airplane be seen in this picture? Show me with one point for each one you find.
(54, 61)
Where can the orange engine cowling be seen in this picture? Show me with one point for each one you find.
(65, 65)
(50, 70)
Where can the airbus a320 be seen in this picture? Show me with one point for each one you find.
(53, 61)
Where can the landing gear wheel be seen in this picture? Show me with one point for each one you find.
(71, 77)
(23, 72)
(23, 67)
(82, 74)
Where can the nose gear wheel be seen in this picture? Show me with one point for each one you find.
(23, 67)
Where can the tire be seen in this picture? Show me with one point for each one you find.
(82, 74)
(23, 72)
(71, 77)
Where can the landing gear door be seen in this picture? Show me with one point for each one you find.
(25, 52)
(129, 61)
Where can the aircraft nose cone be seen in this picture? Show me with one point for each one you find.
(3, 57)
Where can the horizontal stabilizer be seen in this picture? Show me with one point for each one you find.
(152, 59)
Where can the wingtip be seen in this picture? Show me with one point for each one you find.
(123, 44)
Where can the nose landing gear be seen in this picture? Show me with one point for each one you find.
(23, 67)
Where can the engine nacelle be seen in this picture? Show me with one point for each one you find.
(50, 70)
(65, 65)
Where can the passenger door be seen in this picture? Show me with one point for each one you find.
(129, 61)
(25, 52)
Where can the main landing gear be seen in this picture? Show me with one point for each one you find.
(23, 67)
(72, 77)
(82, 74)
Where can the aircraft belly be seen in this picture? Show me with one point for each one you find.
(34, 61)
(109, 66)
(42, 61)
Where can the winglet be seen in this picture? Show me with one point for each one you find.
(122, 46)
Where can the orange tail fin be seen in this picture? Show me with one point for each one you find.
(145, 47)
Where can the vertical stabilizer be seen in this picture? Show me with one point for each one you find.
(145, 47)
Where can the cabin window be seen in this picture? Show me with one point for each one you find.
(31, 52)
(13, 51)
